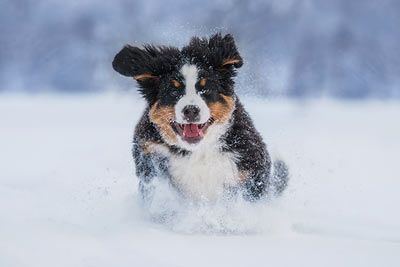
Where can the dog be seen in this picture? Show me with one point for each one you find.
(195, 132)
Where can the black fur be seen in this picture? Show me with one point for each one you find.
(243, 139)
(210, 56)
(164, 63)
(132, 61)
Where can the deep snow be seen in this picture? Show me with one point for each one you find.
(68, 194)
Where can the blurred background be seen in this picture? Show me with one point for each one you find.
(292, 48)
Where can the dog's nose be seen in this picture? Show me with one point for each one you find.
(191, 113)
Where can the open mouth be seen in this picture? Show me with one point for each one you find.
(191, 132)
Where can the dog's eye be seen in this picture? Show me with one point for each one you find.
(176, 83)
(203, 82)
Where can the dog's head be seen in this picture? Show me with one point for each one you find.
(189, 91)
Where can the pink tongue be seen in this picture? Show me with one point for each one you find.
(191, 130)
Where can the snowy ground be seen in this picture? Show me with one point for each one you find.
(68, 195)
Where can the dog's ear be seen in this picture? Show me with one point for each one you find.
(223, 52)
(135, 62)
(146, 65)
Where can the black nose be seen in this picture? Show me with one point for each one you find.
(191, 113)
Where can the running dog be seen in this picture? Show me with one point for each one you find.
(195, 132)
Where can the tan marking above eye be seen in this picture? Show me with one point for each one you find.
(203, 82)
(176, 83)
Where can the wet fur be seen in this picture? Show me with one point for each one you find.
(156, 147)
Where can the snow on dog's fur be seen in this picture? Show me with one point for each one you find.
(195, 132)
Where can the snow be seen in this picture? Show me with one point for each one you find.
(68, 194)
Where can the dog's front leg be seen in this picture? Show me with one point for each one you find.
(149, 164)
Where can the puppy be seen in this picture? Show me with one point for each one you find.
(195, 132)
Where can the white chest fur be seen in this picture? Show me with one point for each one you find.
(205, 173)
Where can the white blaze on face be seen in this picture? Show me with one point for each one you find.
(191, 97)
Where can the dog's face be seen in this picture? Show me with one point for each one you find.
(190, 91)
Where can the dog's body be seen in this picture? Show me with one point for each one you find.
(195, 132)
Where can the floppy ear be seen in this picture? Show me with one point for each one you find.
(135, 62)
(146, 65)
(224, 51)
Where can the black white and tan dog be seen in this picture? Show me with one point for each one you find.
(195, 132)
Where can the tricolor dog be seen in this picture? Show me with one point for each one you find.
(195, 132)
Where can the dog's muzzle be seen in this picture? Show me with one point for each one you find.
(191, 132)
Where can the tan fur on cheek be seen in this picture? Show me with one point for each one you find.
(222, 111)
(162, 118)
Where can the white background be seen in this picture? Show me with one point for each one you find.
(68, 193)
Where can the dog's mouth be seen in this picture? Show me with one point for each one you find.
(191, 132)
